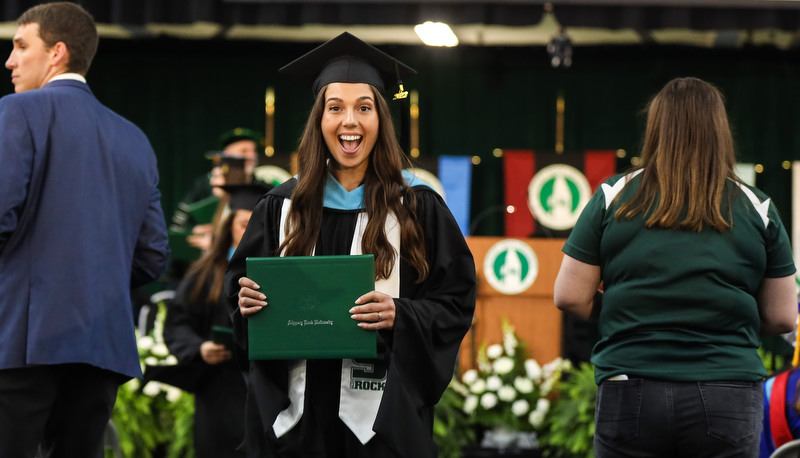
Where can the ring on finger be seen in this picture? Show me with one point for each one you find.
(380, 316)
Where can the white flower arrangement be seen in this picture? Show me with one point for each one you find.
(523, 384)
(536, 417)
(470, 404)
(493, 383)
(488, 400)
(503, 365)
(478, 387)
(155, 416)
(532, 370)
(510, 343)
(160, 350)
(507, 393)
(520, 407)
(469, 377)
(145, 342)
(494, 351)
(154, 352)
(152, 389)
(508, 389)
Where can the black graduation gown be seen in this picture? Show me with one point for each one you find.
(420, 352)
(219, 389)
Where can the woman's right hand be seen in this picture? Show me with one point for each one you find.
(250, 300)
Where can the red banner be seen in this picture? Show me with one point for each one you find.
(520, 166)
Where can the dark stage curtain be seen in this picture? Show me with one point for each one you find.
(184, 93)
(639, 15)
(228, 12)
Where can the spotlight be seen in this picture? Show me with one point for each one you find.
(560, 50)
(436, 34)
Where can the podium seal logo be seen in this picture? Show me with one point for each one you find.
(510, 266)
(557, 194)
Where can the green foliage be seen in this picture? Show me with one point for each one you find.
(570, 426)
(451, 430)
(774, 361)
(182, 445)
(155, 419)
(138, 429)
(147, 424)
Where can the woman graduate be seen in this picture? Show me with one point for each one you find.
(351, 196)
(206, 367)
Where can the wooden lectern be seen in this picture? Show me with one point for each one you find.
(531, 311)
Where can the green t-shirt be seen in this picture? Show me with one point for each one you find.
(680, 305)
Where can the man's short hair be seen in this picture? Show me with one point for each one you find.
(69, 23)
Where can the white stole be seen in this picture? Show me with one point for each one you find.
(357, 408)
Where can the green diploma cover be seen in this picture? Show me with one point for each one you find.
(222, 335)
(203, 210)
(309, 298)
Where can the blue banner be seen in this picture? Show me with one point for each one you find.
(455, 174)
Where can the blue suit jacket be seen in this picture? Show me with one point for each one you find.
(80, 225)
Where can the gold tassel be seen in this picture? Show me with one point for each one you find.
(796, 357)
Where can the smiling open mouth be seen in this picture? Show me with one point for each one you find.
(350, 142)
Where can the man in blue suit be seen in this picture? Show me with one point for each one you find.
(80, 225)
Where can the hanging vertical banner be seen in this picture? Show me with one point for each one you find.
(455, 175)
(518, 168)
(598, 166)
(553, 187)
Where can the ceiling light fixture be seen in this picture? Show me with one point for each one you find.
(436, 34)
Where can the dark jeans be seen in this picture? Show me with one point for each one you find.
(650, 418)
(64, 408)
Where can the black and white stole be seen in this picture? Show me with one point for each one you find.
(357, 408)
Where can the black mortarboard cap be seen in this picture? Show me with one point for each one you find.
(246, 196)
(347, 59)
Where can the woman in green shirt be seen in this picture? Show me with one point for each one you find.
(694, 265)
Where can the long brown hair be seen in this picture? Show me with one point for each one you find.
(210, 268)
(687, 158)
(383, 189)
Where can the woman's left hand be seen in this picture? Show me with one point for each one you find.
(214, 353)
(377, 312)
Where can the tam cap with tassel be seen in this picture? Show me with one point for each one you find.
(347, 59)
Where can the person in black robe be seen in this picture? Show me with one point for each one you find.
(351, 184)
(206, 367)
